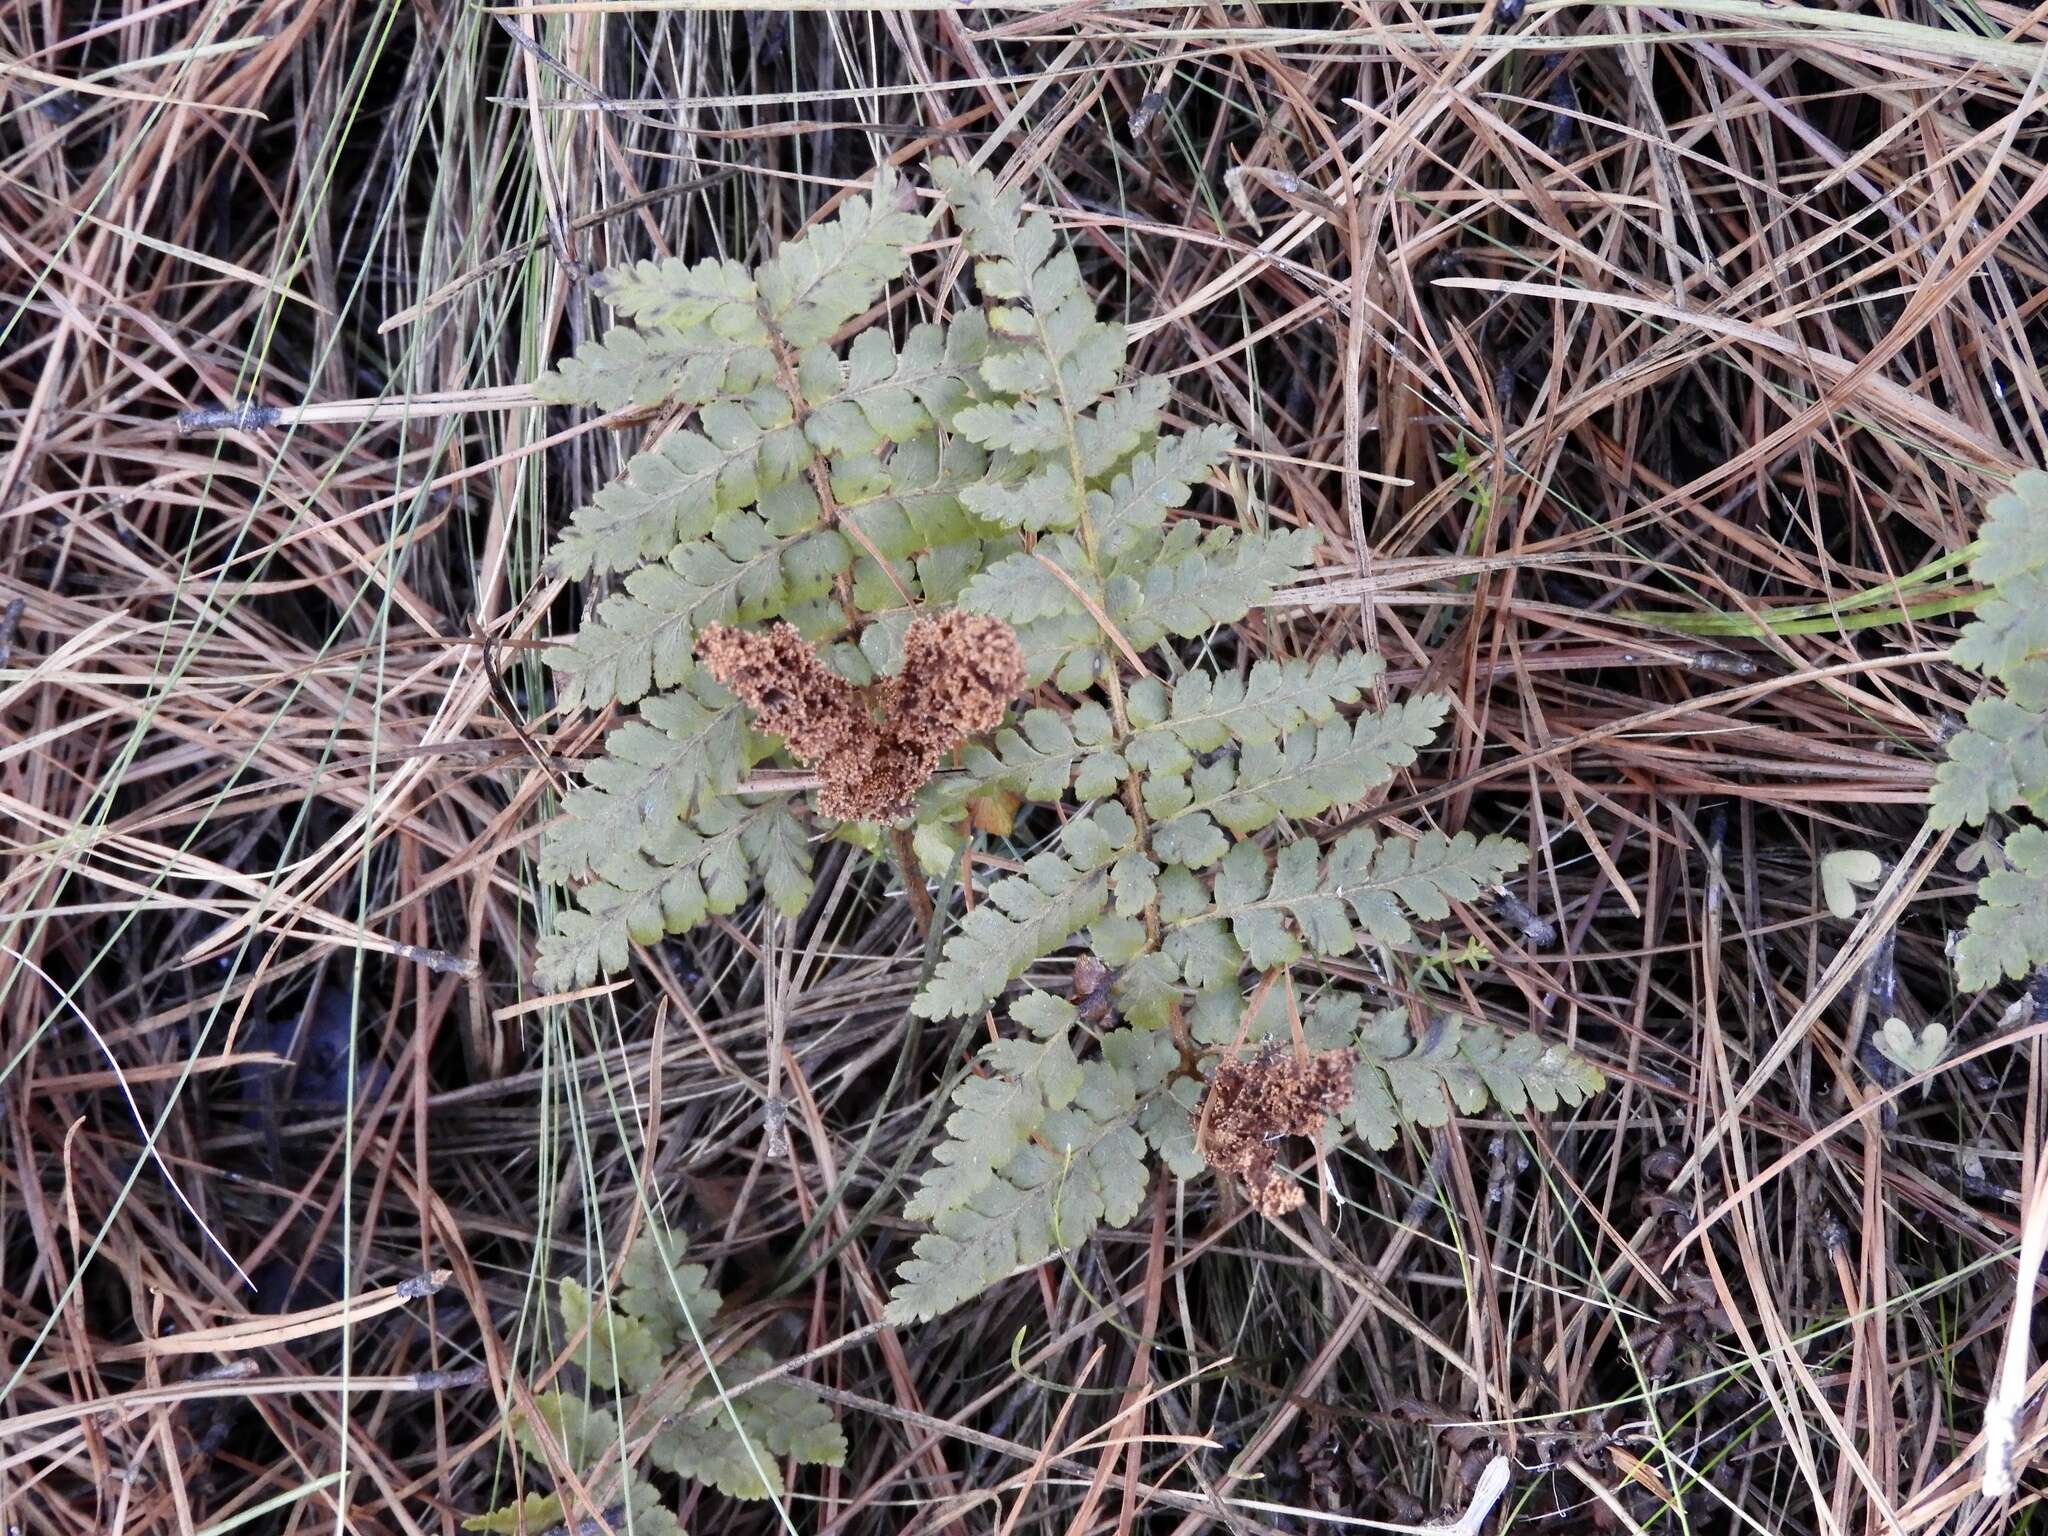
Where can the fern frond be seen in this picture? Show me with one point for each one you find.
(2014, 537)
(1190, 588)
(1050, 341)
(646, 1514)
(1083, 1166)
(1259, 905)
(718, 295)
(641, 1511)
(716, 1451)
(1999, 762)
(835, 270)
(1267, 917)
(1209, 710)
(645, 638)
(682, 488)
(1027, 916)
(1379, 879)
(531, 1516)
(1419, 1075)
(620, 1351)
(1046, 752)
(656, 1286)
(1024, 1081)
(1185, 586)
(2008, 930)
(735, 1444)
(1001, 464)
(1153, 484)
(891, 395)
(701, 870)
(685, 750)
(583, 1434)
(665, 365)
(1305, 773)
(1125, 423)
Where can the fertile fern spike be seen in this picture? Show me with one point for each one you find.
(634, 1344)
(808, 521)
(1999, 764)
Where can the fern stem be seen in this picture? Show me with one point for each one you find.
(913, 880)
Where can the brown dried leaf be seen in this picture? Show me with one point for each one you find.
(873, 749)
(1252, 1105)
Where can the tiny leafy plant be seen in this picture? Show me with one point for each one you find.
(959, 579)
(1998, 763)
(630, 1354)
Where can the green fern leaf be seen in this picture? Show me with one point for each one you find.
(1153, 484)
(1259, 906)
(666, 365)
(1167, 1122)
(1999, 762)
(645, 638)
(621, 1351)
(532, 1515)
(1378, 880)
(997, 1113)
(689, 873)
(666, 1294)
(1207, 711)
(583, 1433)
(2014, 537)
(1306, 773)
(887, 395)
(718, 295)
(1049, 341)
(1027, 916)
(681, 489)
(2011, 628)
(1125, 423)
(1190, 589)
(646, 1514)
(1419, 1076)
(1084, 1166)
(685, 750)
(833, 272)
(2008, 931)
(715, 1451)
(734, 1443)
(793, 1421)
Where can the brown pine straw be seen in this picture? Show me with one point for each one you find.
(1593, 340)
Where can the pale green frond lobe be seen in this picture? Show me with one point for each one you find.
(2008, 933)
(689, 872)
(1420, 1075)
(1027, 916)
(679, 491)
(1084, 1165)
(686, 749)
(665, 365)
(834, 271)
(718, 295)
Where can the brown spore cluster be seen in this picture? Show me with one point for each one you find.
(873, 747)
(1253, 1105)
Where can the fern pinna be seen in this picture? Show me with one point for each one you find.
(723, 1429)
(1999, 762)
(834, 502)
